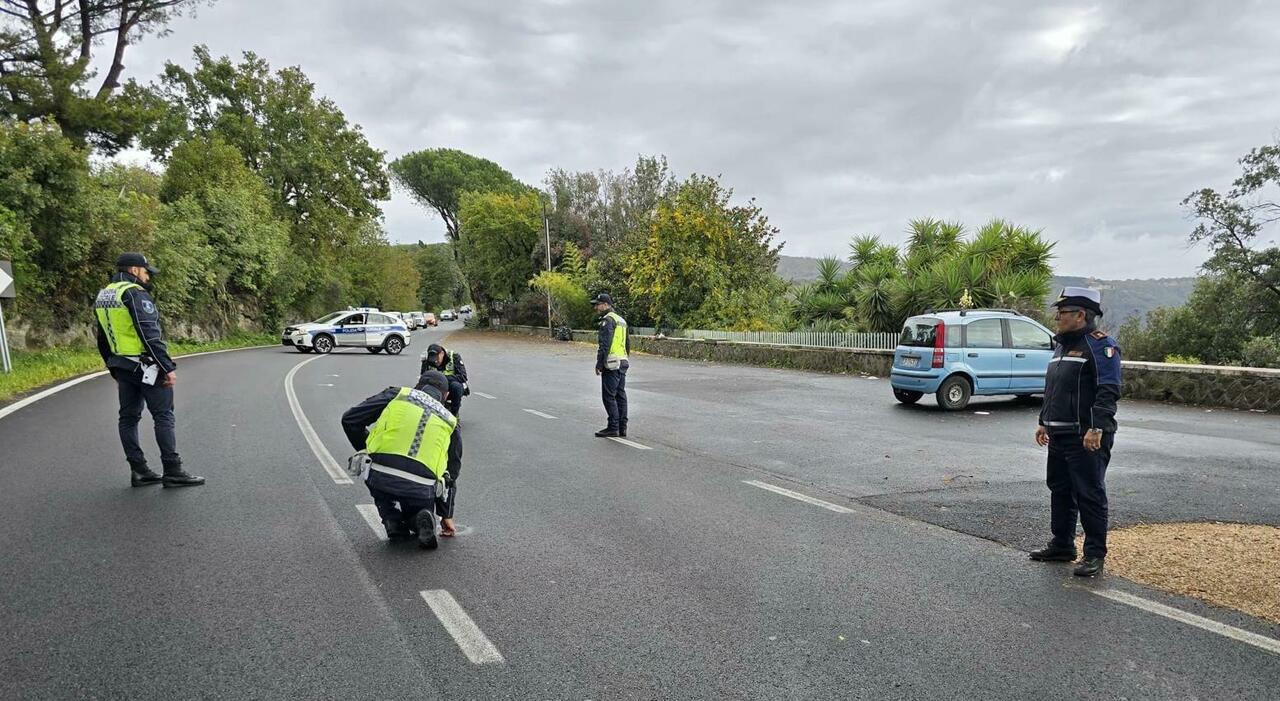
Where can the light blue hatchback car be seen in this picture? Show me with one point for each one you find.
(957, 353)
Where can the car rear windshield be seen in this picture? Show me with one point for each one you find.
(919, 332)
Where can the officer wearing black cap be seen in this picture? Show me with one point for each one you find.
(611, 365)
(415, 453)
(132, 346)
(450, 364)
(1078, 424)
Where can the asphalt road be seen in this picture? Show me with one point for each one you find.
(594, 569)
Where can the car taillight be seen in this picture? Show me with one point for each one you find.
(939, 341)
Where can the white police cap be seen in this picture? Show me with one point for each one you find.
(1084, 297)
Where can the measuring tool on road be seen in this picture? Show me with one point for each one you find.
(6, 292)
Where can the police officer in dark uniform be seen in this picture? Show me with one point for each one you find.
(416, 453)
(1078, 424)
(613, 348)
(132, 346)
(450, 364)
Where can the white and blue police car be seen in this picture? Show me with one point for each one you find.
(364, 327)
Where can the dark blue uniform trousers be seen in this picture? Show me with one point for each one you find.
(613, 388)
(1078, 488)
(159, 401)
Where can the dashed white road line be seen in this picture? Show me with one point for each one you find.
(633, 444)
(482, 394)
(800, 497)
(465, 632)
(535, 412)
(336, 473)
(1259, 641)
(371, 517)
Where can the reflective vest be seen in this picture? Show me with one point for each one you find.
(448, 368)
(617, 346)
(417, 427)
(116, 321)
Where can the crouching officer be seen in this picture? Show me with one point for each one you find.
(416, 454)
(132, 347)
(450, 364)
(1078, 424)
(613, 348)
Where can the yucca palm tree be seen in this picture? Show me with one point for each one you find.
(873, 296)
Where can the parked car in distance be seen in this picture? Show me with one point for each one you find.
(955, 354)
(415, 320)
(430, 319)
(448, 315)
(466, 309)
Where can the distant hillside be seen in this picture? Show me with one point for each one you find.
(1121, 298)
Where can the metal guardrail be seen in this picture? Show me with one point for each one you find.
(812, 339)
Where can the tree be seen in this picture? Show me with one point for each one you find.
(325, 178)
(46, 57)
(498, 235)
(698, 243)
(438, 178)
(442, 284)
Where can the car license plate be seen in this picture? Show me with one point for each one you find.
(910, 361)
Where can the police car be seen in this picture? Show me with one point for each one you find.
(365, 327)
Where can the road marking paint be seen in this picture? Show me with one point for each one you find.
(633, 444)
(538, 413)
(1260, 641)
(371, 517)
(322, 453)
(465, 632)
(5, 411)
(322, 384)
(800, 497)
(482, 394)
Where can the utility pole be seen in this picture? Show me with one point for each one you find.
(546, 227)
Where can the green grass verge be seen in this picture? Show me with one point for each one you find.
(32, 369)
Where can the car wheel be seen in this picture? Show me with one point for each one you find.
(907, 396)
(394, 345)
(374, 350)
(323, 344)
(954, 393)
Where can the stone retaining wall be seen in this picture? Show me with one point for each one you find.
(1198, 385)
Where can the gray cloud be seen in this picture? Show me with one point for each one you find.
(1088, 121)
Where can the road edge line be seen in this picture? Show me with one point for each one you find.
(478, 648)
(1207, 624)
(371, 517)
(336, 473)
(68, 384)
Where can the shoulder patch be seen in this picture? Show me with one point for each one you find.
(148, 307)
(1099, 335)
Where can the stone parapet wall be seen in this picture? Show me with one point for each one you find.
(1198, 385)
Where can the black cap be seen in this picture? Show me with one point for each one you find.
(434, 348)
(134, 259)
(434, 379)
(602, 298)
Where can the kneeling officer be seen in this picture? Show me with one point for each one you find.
(415, 453)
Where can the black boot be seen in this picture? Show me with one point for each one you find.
(1053, 553)
(396, 530)
(607, 433)
(622, 431)
(175, 476)
(427, 530)
(1089, 567)
(141, 476)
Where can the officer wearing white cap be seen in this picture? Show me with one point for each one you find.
(132, 347)
(1078, 424)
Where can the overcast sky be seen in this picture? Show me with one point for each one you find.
(840, 117)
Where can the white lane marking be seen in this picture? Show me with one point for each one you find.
(482, 394)
(5, 411)
(538, 413)
(465, 632)
(1260, 641)
(371, 517)
(800, 497)
(323, 384)
(633, 444)
(322, 453)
